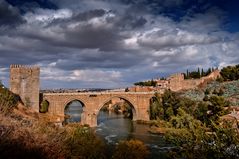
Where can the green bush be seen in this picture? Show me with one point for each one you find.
(230, 73)
(82, 143)
(222, 143)
(44, 106)
(8, 100)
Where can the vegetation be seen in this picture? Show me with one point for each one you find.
(27, 138)
(81, 142)
(146, 83)
(230, 73)
(8, 100)
(194, 126)
(198, 74)
(44, 106)
(132, 149)
(222, 143)
(156, 109)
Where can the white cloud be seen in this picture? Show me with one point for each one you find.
(45, 16)
(173, 37)
(87, 75)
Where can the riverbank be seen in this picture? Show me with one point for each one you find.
(27, 134)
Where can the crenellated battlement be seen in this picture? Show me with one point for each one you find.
(25, 66)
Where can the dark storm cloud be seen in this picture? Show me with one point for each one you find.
(88, 15)
(9, 15)
(88, 36)
(30, 5)
(130, 21)
(90, 59)
(114, 43)
(11, 57)
(94, 29)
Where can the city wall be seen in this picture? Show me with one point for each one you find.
(177, 81)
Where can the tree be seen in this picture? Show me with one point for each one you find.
(187, 76)
(194, 74)
(201, 112)
(184, 120)
(169, 102)
(156, 108)
(146, 83)
(83, 143)
(216, 107)
(230, 73)
(186, 104)
(202, 73)
(199, 74)
(208, 71)
(222, 143)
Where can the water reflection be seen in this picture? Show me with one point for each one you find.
(114, 127)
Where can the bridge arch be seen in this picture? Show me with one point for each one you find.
(73, 99)
(127, 100)
(73, 110)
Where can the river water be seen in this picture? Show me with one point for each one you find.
(114, 127)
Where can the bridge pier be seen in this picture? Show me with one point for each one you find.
(89, 118)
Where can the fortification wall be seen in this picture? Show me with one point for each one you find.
(141, 89)
(24, 81)
(177, 81)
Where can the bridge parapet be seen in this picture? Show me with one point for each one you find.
(101, 93)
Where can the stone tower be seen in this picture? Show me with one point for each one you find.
(24, 81)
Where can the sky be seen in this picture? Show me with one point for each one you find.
(114, 43)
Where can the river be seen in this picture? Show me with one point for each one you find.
(114, 127)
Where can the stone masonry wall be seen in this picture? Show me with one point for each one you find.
(24, 81)
(177, 81)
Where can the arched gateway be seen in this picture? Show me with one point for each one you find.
(93, 102)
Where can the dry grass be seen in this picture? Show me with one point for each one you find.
(23, 137)
(26, 134)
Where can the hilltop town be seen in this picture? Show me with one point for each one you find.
(177, 82)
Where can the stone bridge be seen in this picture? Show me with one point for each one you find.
(94, 101)
(25, 81)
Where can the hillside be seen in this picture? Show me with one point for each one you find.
(229, 90)
(27, 134)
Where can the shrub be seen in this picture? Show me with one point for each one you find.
(83, 143)
(132, 149)
(44, 106)
(8, 100)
